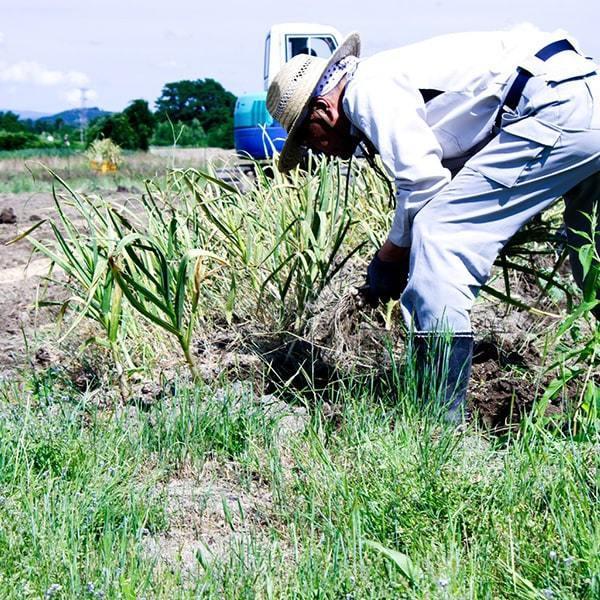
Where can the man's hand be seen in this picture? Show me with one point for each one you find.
(387, 274)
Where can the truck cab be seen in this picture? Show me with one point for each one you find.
(256, 134)
(286, 40)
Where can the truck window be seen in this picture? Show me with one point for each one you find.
(267, 50)
(315, 45)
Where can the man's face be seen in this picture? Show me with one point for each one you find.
(331, 141)
(327, 129)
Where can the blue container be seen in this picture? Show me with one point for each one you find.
(255, 133)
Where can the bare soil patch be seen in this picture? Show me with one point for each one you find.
(208, 512)
(20, 277)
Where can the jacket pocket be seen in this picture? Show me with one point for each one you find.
(517, 146)
(569, 66)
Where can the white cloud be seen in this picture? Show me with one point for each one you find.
(73, 97)
(1, 38)
(33, 72)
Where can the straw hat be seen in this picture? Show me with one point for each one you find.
(290, 93)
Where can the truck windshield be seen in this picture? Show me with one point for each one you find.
(315, 45)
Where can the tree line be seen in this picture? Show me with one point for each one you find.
(188, 113)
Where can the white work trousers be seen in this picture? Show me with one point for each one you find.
(548, 148)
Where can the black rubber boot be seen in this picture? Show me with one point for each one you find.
(443, 370)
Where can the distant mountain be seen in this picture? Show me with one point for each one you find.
(71, 117)
(28, 114)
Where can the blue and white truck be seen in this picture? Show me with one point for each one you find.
(256, 134)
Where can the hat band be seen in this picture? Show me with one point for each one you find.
(290, 91)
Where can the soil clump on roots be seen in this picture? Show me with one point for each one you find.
(345, 340)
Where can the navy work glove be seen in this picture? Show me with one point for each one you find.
(385, 280)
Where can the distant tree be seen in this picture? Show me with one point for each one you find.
(9, 121)
(116, 127)
(17, 140)
(221, 136)
(130, 129)
(38, 126)
(203, 99)
(142, 121)
(190, 135)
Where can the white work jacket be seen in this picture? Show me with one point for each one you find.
(417, 141)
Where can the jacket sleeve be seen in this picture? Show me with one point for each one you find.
(391, 114)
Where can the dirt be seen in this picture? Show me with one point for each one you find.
(8, 216)
(20, 277)
(507, 375)
(207, 512)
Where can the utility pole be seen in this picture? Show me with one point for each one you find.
(82, 114)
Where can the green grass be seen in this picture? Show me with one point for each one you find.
(37, 153)
(473, 515)
(375, 498)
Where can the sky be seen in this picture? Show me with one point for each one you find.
(119, 50)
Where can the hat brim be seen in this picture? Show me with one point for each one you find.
(291, 153)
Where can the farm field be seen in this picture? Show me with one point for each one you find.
(195, 403)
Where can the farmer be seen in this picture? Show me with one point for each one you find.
(480, 132)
